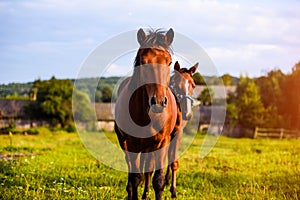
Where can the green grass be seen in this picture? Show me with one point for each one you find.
(57, 166)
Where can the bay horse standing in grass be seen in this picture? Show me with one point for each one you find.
(145, 112)
(182, 86)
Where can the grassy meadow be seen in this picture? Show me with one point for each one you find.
(55, 165)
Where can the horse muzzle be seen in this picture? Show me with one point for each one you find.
(158, 106)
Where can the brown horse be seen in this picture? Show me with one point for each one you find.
(181, 85)
(145, 112)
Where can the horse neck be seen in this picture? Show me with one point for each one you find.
(139, 106)
(173, 85)
(139, 93)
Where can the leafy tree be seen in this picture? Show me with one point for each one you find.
(291, 96)
(214, 80)
(206, 96)
(98, 96)
(249, 104)
(16, 96)
(232, 111)
(199, 80)
(54, 101)
(16, 91)
(227, 79)
(270, 88)
(82, 110)
(106, 94)
(88, 86)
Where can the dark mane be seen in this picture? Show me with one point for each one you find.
(184, 70)
(181, 70)
(156, 38)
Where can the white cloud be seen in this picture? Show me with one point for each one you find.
(236, 35)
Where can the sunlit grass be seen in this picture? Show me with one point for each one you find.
(55, 165)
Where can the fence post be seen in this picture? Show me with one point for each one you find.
(255, 133)
(281, 133)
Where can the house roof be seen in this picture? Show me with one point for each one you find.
(220, 92)
(104, 111)
(12, 108)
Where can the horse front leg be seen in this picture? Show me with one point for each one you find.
(148, 170)
(159, 178)
(134, 176)
(173, 158)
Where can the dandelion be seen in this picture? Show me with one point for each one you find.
(26, 161)
(104, 188)
(10, 138)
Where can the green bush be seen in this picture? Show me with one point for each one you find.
(32, 131)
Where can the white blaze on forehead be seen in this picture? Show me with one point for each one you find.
(189, 102)
(186, 87)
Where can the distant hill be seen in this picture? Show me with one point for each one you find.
(15, 89)
(87, 85)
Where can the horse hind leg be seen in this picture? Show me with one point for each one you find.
(168, 176)
(174, 167)
(173, 157)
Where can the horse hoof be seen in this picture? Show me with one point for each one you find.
(144, 197)
(173, 192)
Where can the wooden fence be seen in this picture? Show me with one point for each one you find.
(279, 133)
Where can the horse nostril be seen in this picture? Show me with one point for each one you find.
(153, 101)
(165, 101)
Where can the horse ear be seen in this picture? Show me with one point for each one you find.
(177, 66)
(169, 37)
(141, 36)
(194, 68)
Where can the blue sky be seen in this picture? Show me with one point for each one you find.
(44, 38)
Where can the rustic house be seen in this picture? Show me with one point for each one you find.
(13, 112)
(220, 92)
(213, 113)
(105, 115)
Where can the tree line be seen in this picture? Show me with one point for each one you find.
(270, 101)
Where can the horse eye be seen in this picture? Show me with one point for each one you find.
(170, 63)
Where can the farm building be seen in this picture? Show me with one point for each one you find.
(13, 111)
(105, 115)
(220, 92)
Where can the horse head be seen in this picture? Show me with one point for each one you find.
(152, 66)
(182, 86)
